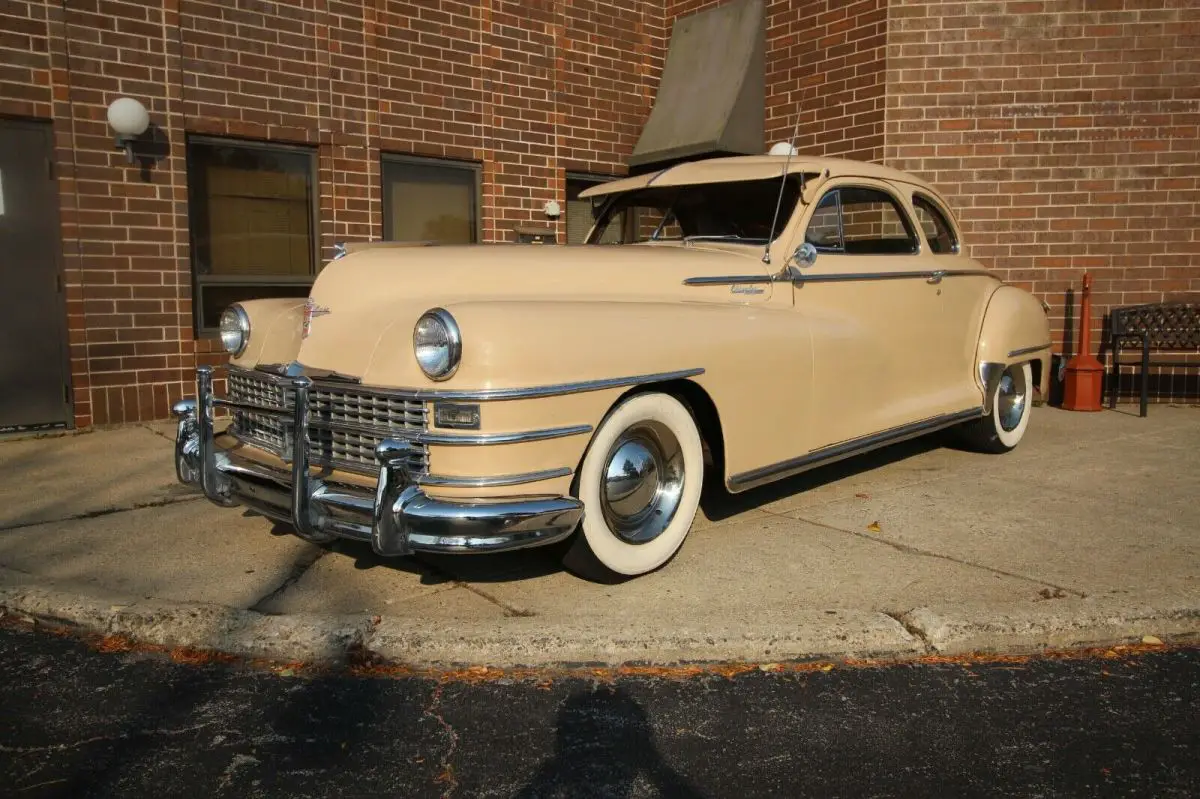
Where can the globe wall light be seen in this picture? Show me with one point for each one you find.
(129, 119)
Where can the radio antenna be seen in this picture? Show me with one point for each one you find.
(766, 259)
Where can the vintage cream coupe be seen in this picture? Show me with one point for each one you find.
(742, 318)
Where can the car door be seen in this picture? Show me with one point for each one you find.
(871, 310)
(964, 288)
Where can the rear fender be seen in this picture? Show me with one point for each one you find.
(1015, 330)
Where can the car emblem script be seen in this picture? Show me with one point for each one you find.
(311, 311)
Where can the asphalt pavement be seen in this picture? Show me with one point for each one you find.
(79, 722)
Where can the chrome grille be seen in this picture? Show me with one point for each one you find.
(345, 424)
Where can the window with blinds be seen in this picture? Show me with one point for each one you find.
(252, 216)
(430, 200)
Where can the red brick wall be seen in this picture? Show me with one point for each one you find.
(527, 88)
(1065, 134)
(1063, 131)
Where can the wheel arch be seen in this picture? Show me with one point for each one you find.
(699, 404)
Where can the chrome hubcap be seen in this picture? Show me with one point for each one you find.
(643, 482)
(1010, 402)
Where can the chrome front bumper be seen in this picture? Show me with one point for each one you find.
(397, 518)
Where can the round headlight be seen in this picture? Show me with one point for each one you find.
(235, 329)
(437, 344)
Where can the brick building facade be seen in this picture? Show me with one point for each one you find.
(1064, 132)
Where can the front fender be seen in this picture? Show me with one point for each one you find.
(275, 330)
(1014, 330)
(756, 359)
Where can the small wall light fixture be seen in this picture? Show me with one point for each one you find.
(129, 119)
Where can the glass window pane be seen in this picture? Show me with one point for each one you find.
(872, 223)
(823, 224)
(937, 229)
(741, 212)
(581, 214)
(251, 210)
(429, 202)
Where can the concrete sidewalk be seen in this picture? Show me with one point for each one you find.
(1086, 534)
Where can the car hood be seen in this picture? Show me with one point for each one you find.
(380, 292)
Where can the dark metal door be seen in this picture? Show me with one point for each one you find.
(33, 363)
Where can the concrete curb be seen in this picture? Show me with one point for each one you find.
(826, 635)
(1055, 624)
(519, 642)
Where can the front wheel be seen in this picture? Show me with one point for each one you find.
(640, 486)
(1004, 427)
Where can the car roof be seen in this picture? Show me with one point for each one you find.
(751, 167)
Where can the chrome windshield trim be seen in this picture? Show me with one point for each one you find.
(498, 393)
(448, 481)
(1027, 350)
(777, 471)
(420, 437)
(727, 280)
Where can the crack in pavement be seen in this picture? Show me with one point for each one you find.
(302, 564)
(509, 610)
(122, 736)
(446, 775)
(94, 514)
(158, 433)
(911, 550)
(912, 629)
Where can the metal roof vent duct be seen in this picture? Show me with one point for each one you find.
(710, 99)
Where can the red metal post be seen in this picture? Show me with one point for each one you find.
(1085, 374)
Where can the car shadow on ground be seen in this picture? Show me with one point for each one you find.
(717, 504)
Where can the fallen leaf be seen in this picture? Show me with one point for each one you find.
(827, 667)
(286, 673)
(769, 667)
(1153, 640)
(863, 496)
(874, 527)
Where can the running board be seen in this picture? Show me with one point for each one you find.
(777, 471)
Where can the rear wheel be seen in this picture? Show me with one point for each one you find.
(640, 486)
(1004, 427)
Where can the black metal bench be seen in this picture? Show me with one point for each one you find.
(1162, 327)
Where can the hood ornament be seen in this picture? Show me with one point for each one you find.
(311, 311)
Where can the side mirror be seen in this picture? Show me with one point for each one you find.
(805, 255)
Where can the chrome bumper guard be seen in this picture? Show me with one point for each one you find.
(397, 519)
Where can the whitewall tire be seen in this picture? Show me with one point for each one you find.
(640, 487)
(1004, 427)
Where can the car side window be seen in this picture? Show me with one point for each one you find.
(824, 227)
(937, 229)
(860, 221)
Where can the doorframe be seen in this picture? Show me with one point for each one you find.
(46, 128)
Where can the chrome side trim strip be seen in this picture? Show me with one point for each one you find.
(487, 482)
(777, 471)
(1027, 350)
(500, 393)
(418, 437)
(862, 276)
(727, 280)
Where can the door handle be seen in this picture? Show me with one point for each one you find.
(936, 277)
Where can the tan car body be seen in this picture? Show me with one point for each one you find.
(783, 373)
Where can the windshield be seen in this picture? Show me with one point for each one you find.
(739, 212)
